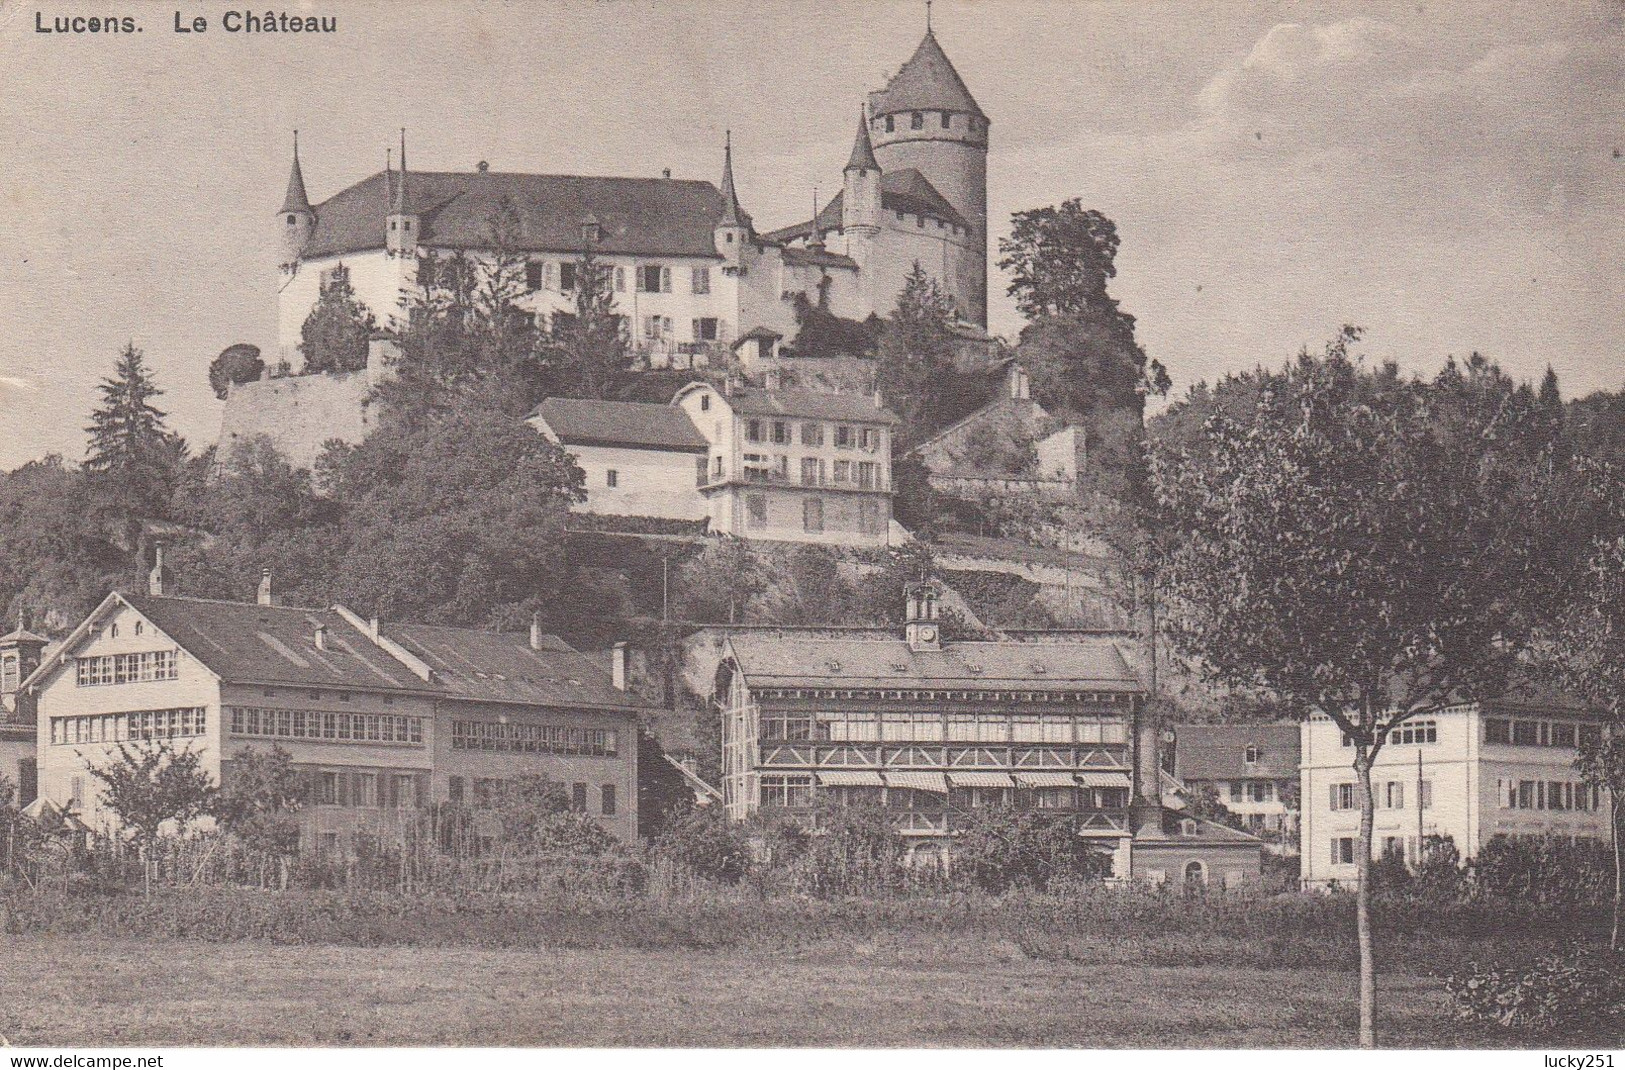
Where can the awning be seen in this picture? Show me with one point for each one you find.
(918, 781)
(981, 780)
(1045, 779)
(849, 778)
(1104, 780)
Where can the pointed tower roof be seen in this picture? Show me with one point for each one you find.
(927, 81)
(732, 214)
(296, 200)
(21, 636)
(401, 204)
(863, 150)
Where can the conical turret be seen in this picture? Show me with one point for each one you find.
(296, 219)
(863, 150)
(733, 227)
(401, 238)
(860, 196)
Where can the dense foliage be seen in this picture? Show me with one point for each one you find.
(336, 334)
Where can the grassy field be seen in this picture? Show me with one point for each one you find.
(85, 990)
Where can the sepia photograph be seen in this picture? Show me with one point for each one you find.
(812, 524)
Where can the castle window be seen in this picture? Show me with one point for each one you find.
(533, 275)
(947, 122)
(292, 219)
(620, 280)
(612, 478)
(730, 237)
(916, 121)
(406, 224)
(701, 282)
(392, 226)
(891, 123)
(567, 276)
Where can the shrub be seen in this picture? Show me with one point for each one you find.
(708, 844)
(1555, 993)
(1547, 870)
(1004, 847)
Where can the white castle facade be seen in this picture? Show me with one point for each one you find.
(690, 272)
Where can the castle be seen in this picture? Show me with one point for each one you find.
(690, 272)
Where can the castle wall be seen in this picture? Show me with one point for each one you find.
(298, 414)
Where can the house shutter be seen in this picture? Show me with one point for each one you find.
(387, 789)
(1334, 798)
(343, 779)
(313, 786)
(420, 785)
(665, 280)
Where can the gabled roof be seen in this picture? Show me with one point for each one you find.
(1218, 751)
(503, 667)
(638, 216)
(242, 642)
(927, 81)
(590, 422)
(809, 404)
(789, 660)
(906, 190)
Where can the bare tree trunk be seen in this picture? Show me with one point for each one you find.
(1362, 902)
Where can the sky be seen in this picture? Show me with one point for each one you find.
(1449, 176)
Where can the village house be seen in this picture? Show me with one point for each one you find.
(794, 465)
(1470, 772)
(1253, 770)
(381, 719)
(638, 459)
(935, 729)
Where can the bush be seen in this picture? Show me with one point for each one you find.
(1553, 994)
(1003, 847)
(1547, 871)
(707, 844)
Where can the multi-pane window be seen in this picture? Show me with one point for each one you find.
(869, 439)
(534, 738)
(702, 280)
(1343, 851)
(812, 433)
(567, 276)
(142, 667)
(366, 789)
(843, 436)
(1424, 791)
(1526, 733)
(612, 477)
(1415, 732)
(916, 121)
(654, 279)
(812, 472)
(533, 275)
(781, 433)
(1547, 795)
(1394, 795)
(325, 725)
(868, 475)
(753, 430)
(843, 471)
(130, 726)
(786, 790)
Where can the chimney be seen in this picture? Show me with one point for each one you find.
(617, 666)
(536, 631)
(321, 637)
(265, 597)
(665, 172)
(155, 578)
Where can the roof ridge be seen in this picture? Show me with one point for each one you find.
(219, 601)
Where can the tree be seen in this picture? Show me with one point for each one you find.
(235, 365)
(915, 357)
(149, 783)
(720, 582)
(1004, 847)
(1204, 803)
(589, 345)
(336, 334)
(260, 800)
(132, 456)
(1369, 548)
(1587, 659)
(1078, 340)
(663, 795)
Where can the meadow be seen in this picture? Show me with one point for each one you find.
(1090, 968)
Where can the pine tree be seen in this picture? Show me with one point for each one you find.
(335, 335)
(130, 448)
(589, 344)
(916, 355)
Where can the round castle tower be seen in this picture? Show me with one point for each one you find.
(926, 119)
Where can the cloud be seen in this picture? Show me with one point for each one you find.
(17, 382)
